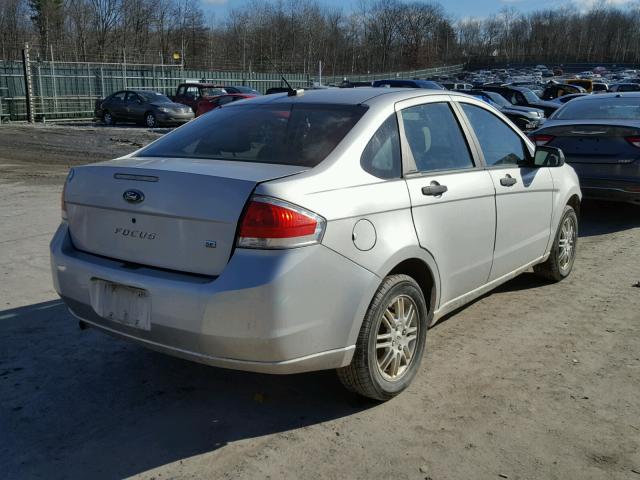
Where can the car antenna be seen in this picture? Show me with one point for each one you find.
(292, 92)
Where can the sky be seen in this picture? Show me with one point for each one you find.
(458, 9)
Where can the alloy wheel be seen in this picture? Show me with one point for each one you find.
(566, 243)
(396, 338)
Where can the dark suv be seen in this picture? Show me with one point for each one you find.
(523, 96)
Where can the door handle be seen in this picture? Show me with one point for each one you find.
(434, 190)
(508, 181)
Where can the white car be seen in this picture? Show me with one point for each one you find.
(295, 232)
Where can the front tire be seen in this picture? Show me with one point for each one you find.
(563, 252)
(391, 342)
(150, 120)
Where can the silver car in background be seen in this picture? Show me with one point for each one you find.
(317, 230)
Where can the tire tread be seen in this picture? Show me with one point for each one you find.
(356, 376)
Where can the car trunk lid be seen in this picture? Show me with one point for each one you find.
(594, 143)
(177, 214)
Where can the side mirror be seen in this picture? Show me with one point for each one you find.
(548, 157)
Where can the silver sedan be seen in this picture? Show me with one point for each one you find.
(313, 230)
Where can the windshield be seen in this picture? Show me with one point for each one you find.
(250, 90)
(212, 91)
(601, 109)
(153, 97)
(302, 134)
(497, 98)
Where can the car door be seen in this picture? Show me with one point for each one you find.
(524, 195)
(135, 107)
(117, 105)
(452, 195)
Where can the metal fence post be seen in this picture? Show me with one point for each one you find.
(28, 82)
(124, 69)
(53, 83)
(101, 83)
(41, 93)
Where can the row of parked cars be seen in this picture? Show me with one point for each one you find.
(599, 133)
(155, 109)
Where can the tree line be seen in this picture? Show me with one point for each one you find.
(296, 35)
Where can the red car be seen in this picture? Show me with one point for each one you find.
(194, 93)
(217, 102)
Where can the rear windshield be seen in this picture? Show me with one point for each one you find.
(302, 134)
(602, 109)
(530, 96)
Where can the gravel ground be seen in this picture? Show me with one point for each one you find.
(534, 381)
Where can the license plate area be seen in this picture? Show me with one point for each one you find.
(121, 303)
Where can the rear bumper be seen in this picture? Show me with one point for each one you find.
(615, 182)
(284, 311)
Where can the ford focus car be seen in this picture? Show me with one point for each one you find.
(313, 230)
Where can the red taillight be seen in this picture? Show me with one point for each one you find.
(635, 141)
(542, 139)
(273, 223)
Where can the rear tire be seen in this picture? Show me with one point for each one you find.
(391, 342)
(563, 252)
(109, 119)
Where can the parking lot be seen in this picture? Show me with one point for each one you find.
(532, 381)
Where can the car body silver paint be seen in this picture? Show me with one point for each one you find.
(286, 311)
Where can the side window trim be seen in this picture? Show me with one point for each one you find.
(469, 134)
(463, 115)
(409, 166)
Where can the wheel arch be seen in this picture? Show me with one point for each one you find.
(415, 262)
(574, 202)
(422, 274)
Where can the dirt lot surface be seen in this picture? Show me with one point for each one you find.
(535, 381)
(43, 154)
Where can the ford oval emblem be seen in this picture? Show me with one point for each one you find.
(133, 196)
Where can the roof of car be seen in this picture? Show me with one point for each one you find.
(349, 96)
(603, 96)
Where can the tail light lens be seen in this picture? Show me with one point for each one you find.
(635, 141)
(542, 139)
(272, 223)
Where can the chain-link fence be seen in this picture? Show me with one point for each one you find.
(49, 91)
(46, 90)
(409, 74)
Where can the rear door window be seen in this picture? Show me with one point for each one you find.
(301, 134)
(435, 138)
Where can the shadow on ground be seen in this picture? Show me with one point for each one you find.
(74, 402)
(598, 218)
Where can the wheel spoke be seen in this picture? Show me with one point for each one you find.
(388, 320)
(409, 316)
(396, 364)
(400, 308)
(384, 364)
